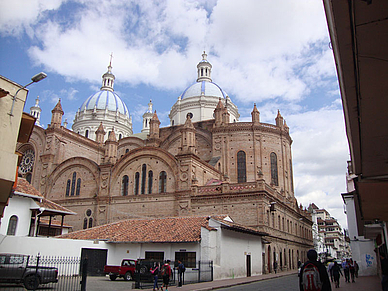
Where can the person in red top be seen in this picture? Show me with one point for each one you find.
(166, 274)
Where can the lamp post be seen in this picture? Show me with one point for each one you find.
(34, 79)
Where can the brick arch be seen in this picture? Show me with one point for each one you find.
(156, 159)
(87, 170)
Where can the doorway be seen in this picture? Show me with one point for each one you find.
(96, 260)
(248, 265)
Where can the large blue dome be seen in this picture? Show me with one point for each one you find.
(105, 99)
(204, 88)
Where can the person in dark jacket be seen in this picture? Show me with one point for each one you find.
(323, 276)
(181, 269)
(336, 271)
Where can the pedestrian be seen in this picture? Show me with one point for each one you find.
(275, 266)
(352, 270)
(345, 266)
(356, 268)
(336, 271)
(331, 265)
(313, 274)
(181, 269)
(166, 274)
(384, 271)
(155, 271)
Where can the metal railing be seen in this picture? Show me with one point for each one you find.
(202, 272)
(19, 272)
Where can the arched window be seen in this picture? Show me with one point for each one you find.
(150, 177)
(73, 184)
(137, 176)
(90, 222)
(68, 187)
(124, 186)
(78, 187)
(143, 178)
(13, 222)
(201, 72)
(162, 182)
(241, 167)
(120, 136)
(85, 223)
(29, 177)
(274, 169)
(127, 150)
(86, 133)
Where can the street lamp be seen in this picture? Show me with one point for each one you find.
(34, 79)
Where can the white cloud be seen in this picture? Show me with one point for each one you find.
(320, 152)
(257, 48)
(17, 16)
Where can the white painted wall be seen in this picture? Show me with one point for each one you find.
(231, 249)
(19, 206)
(362, 248)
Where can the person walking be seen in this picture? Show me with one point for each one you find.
(181, 269)
(166, 274)
(275, 266)
(345, 266)
(331, 265)
(155, 271)
(336, 271)
(356, 268)
(352, 270)
(384, 271)
(313, 274)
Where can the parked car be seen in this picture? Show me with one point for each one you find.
(14, 268)
(126, 270)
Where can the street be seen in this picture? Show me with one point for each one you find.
(286, 283)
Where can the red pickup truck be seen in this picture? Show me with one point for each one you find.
(126, 270)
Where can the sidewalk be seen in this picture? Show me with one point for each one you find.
(370, 283)
(229, 282)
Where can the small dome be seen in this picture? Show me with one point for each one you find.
(105, 100)
(204, 88)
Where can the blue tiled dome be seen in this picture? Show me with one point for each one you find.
(105, 99)
(207, 88)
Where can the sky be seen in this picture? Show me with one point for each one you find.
(275, 53)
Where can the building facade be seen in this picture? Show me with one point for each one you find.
(204, 163)
(329, 239)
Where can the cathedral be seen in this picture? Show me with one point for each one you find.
(205, 162)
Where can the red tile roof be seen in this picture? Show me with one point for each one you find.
(26, 189)
(161, 230)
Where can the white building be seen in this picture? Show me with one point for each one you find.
(27, 205)
(329, 240)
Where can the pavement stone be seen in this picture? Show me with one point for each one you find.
(364, 283)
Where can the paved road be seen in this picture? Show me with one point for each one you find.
(286, 283)
(103, 284)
